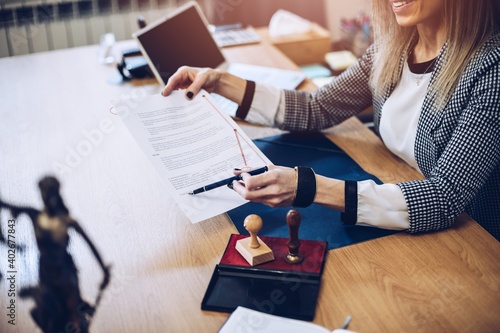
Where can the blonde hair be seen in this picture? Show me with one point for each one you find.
(468, 24)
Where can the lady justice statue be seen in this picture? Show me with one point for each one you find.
(58, 304)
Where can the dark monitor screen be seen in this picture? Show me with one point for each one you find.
(182, 39)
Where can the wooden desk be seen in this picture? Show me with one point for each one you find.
(55, 119)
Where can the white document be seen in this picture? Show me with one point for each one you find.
(281, 78)
(247, 320)
(191, 144)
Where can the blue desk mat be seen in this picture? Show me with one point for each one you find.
(318, 222)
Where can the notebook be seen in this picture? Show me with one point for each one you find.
(182, 38)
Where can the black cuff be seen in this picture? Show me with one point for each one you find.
(306, 187)
(350, 216)
(243, 109)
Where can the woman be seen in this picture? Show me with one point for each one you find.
(433, 78)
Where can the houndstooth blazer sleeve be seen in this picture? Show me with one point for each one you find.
(347, 95)
(457, 148)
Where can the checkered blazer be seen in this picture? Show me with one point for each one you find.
(457, 148)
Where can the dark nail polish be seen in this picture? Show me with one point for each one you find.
(230, 185)
(189, 94)
(237, 169)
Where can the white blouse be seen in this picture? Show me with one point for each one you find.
(400, 114)
(382, 205)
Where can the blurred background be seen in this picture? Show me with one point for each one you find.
(32, 26)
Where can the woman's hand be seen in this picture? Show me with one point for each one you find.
(193, 79)
(275, 188)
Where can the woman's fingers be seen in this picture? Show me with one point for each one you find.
(274, 188)
(179, 80)
(202, 79)
(192, 79)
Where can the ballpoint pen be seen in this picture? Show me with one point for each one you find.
(227, 181)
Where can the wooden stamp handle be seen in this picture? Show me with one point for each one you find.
(253, 223)
(293, 218)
